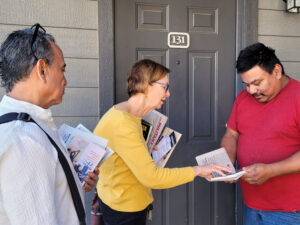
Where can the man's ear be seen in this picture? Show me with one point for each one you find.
(277, 71)
(41, 67)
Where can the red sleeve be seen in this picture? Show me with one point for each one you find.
(232, 122)
(298, 111)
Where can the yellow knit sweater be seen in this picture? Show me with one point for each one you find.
(126, 178)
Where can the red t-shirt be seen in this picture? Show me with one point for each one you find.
(269, 132)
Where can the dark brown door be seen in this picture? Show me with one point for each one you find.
(202, 92)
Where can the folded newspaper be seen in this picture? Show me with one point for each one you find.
(147, 128)
(158, 121)
(87, 151)
(165, 146)
(157, 134)
(219, 156)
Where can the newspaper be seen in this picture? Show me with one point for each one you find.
(84, 155)
(87, 151)
(219, 156)
(109, 151)
(165, 146)
(158, 122)
(67, 132)
(83, 128)
(147, 128)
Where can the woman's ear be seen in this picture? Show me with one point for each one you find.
(41, 69)
(147, 89)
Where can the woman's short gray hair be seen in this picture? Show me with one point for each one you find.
(17, 58)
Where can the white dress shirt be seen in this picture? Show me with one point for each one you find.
(33, 186)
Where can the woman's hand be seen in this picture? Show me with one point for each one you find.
(207, 170)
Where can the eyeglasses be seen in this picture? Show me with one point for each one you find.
(166, 85)
(36, 28)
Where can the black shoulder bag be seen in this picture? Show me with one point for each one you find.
(63, 161)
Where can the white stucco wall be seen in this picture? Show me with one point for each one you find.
(281, 31)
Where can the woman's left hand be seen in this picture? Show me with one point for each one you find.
(91, 180)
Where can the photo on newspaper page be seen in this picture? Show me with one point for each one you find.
(87, 151)
(147, 128)
(84, 155)
(221, 157)
(165, 146)
(108, 150)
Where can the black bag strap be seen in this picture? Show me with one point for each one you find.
(63, 161)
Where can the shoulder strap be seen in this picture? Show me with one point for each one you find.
(63, 161)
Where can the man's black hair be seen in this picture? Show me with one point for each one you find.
(257, 55)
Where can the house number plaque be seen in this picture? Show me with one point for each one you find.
(178, 40)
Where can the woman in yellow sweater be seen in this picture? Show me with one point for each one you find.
(127, 177)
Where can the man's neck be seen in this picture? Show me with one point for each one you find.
(284, 81)
(22, 91)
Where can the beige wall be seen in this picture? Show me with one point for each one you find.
(281, 31)
(74, 24)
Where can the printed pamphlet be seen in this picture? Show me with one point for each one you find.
(147, 128)
(87, 151)
(84, 155)
(219, 156)
(164, 138)
(165, 146)
(158, 122)
(109, 151)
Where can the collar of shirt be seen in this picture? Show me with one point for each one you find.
(39, 114)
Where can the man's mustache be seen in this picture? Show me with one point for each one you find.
(258, 94)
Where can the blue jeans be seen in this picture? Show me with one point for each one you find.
(258, 217)
(114, 217)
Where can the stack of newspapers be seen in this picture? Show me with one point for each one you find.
(87, 151)
(161, 140)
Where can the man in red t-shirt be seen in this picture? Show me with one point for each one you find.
(263, 135)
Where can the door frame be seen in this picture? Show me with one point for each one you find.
(246, 33)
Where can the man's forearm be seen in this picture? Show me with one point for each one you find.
(230, 148)
(286, 166)
(229, 142)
